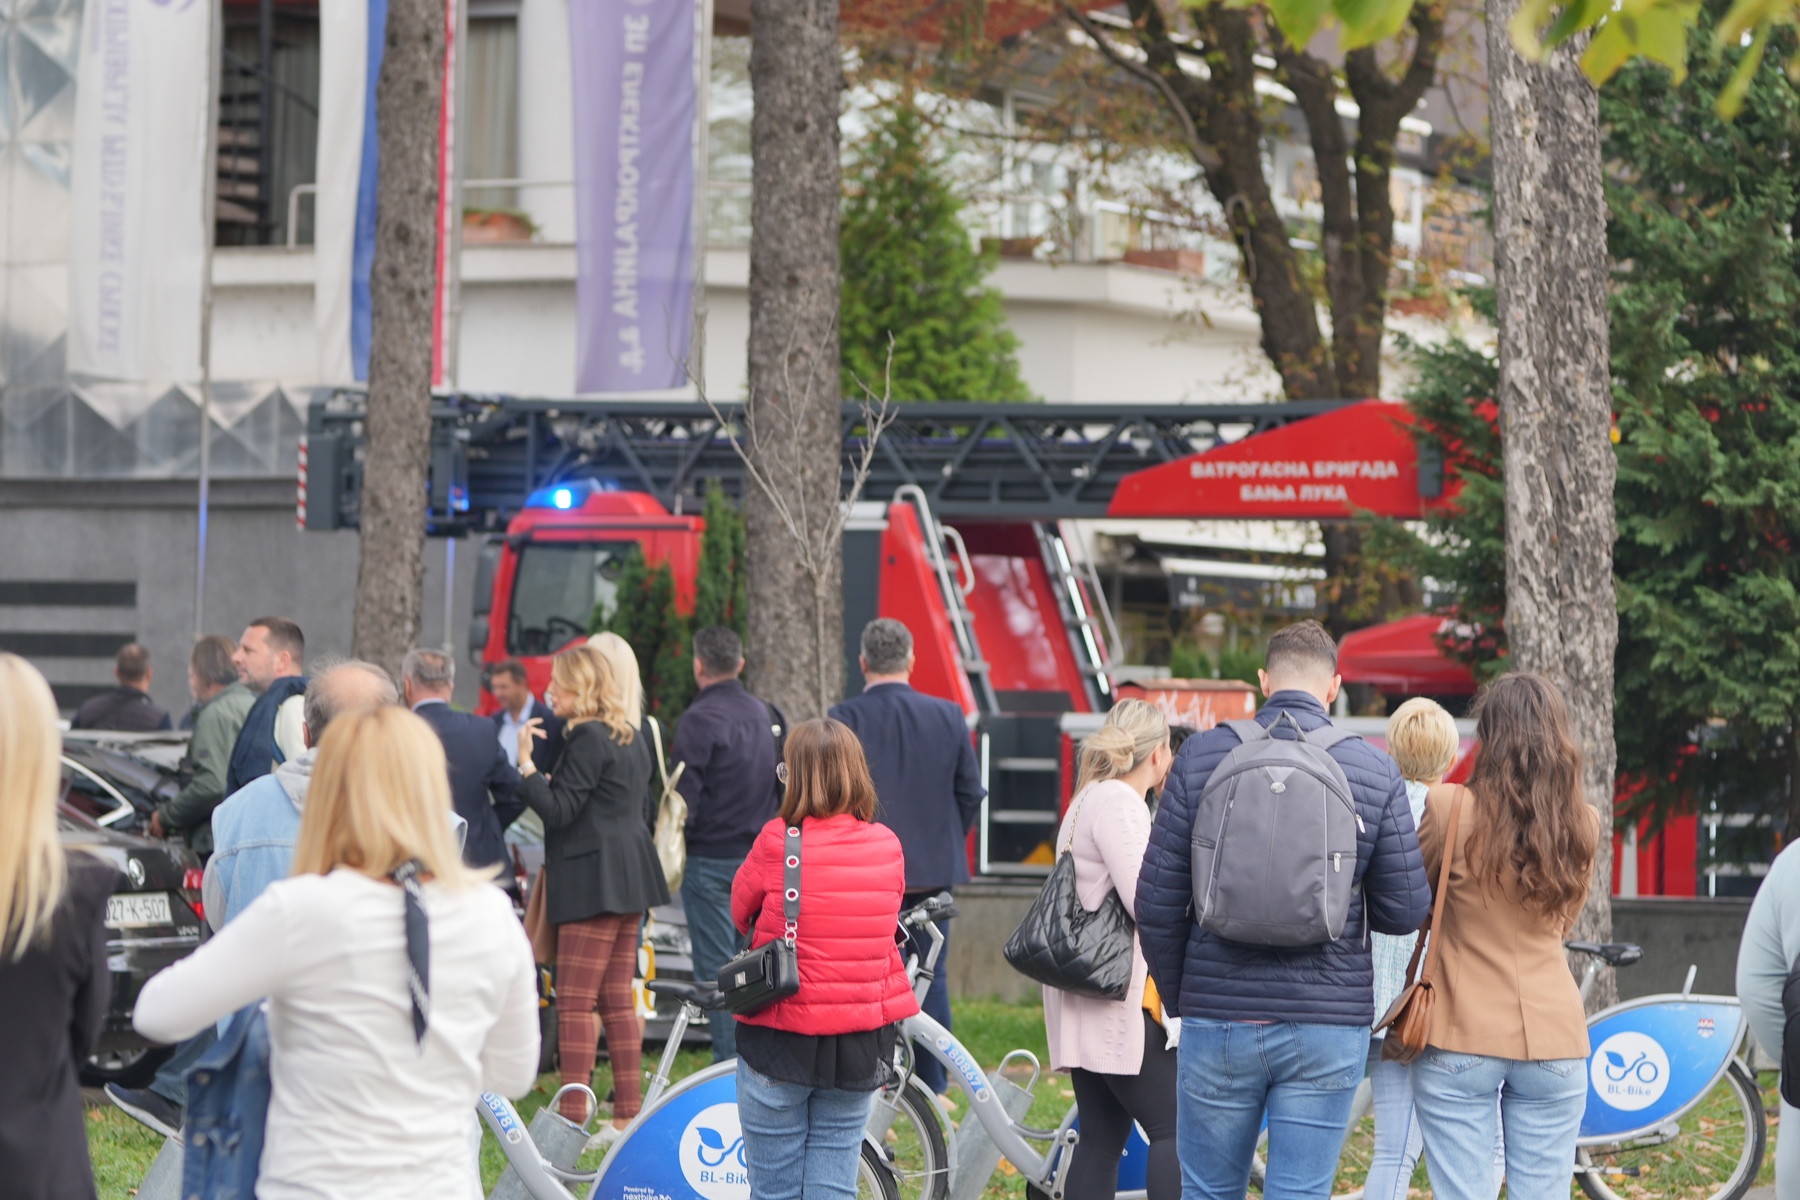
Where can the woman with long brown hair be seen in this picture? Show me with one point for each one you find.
(600, 870)
(1508, 1017)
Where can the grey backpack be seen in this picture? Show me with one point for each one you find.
(1274, 847)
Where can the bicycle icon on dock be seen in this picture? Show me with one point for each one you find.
(1641, 1068)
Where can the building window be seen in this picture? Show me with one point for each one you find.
(491, 127)
(268, 122)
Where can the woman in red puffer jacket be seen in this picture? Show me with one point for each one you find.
(808, 1066)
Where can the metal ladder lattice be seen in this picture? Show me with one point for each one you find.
(955, 593)
(1087, 618)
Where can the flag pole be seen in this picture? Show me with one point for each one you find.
(209, 214)
(458, 87)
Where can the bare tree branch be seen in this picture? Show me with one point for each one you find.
(1202, 150)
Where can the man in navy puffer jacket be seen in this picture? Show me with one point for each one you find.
(1280, 1029)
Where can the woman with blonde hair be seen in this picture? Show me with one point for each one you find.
(1508, 1017)
(54, 983)
(1120, 1054)
(622, 662)
(394, 976)
(600, 871)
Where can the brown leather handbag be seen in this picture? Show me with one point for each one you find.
(1408, 1020)
(537, 922)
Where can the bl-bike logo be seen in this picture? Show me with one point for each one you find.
(1629, 1071)
(712, 1154)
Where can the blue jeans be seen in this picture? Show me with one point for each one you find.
(171, 1078)
(1541, 1103)
(937, 999)
(1303, 1075)
(800, 1143)
(1397, 1137)
(706, 898)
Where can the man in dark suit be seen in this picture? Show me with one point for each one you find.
(482, 782)
(927, 783)
(506, 682)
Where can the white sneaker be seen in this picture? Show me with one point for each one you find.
(605, 1136)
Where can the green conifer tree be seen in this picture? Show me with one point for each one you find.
(719, 587)
(910, 271)
(1706, 368)
(644, 615)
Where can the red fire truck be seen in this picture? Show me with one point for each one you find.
(961, 532)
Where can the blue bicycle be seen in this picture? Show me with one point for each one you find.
(1672, 1109)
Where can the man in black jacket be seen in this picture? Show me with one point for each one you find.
(927, 781)
(508, 684)
(729, 741)
(128, 707)
(482, 782)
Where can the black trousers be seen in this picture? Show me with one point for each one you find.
(1108, 1105)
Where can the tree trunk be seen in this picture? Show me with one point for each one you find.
(794, 566)
(1556, 406)
(390, 577)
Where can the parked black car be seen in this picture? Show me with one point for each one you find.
(154, 919)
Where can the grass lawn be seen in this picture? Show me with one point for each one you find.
(122, 1149)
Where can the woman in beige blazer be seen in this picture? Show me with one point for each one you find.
(1508, 1016)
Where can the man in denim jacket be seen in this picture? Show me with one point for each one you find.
(255, 828)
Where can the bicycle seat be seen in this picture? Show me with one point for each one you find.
(940, 907)
(1616, 954)
(703, 996)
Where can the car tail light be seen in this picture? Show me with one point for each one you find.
(193, 881)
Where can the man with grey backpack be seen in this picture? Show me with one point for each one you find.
(1280, 843)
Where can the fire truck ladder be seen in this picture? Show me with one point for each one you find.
(1038, 462)
(968, 648)
(1086, 618)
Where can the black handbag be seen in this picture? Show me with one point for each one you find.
(758, 978)
(1062, 945)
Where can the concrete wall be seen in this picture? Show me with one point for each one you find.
(1676, 932)
(143, 533)
(1673, 932)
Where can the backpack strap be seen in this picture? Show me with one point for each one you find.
(1248, 730)
(1328, 735)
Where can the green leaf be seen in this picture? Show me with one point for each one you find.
(1741, 18)
(1300, 19)
(1574, 18)
(1369, 21)
(1611, 48)
(1731, 97)
(1524, 26)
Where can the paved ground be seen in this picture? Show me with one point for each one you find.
(1761, 1193)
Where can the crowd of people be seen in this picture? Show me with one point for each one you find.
(357, 879)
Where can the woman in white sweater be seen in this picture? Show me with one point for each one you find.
(399, 983)
(1120, 1054)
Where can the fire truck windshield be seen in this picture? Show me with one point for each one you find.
(555, 588)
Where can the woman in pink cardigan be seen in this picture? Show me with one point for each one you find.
(1119, 1053)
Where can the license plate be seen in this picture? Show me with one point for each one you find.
(136, 909)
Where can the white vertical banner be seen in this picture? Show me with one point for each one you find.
(137, 190)
(344, 97)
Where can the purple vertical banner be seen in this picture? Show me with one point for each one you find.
(633, 77)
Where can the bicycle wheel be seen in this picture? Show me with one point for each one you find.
(874, 1181)
(1716, 1152)
(909, 1127)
